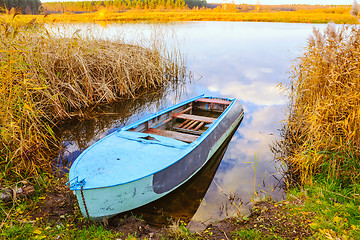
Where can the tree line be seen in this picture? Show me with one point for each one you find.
(88, 6)
(35, 6)
(24, 6)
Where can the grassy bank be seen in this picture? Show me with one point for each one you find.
(320, 143)
(321, 137)
(336, 15)
(45, 77)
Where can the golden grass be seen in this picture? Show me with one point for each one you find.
(336, 15)
(322, 133)
(43, 78)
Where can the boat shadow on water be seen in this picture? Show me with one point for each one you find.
(182, 203)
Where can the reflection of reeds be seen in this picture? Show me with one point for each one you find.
(322, 133)
(43, 78)
(232, 199)
(255, 186)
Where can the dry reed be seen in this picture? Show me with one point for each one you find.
(43, 78)
(355, 9)
(335, 14)
(322, 132)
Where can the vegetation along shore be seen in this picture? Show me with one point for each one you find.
(175, 10)
(46, 79)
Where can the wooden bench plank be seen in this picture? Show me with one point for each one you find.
(213, 100)
(196, 118)
(188, 138)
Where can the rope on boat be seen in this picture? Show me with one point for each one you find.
(83, 198)
(77, 183)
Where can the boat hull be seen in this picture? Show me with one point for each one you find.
(105, 202)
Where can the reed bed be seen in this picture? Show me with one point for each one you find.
(207, 15)
(322, 133)
(337, 15)
(45, 77)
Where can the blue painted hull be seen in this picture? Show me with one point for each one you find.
(129, 169)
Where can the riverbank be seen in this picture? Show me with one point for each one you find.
(316, 212)
(103, 16)
(54, 215)
(321, 139)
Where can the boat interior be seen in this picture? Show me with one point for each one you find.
(188, 122)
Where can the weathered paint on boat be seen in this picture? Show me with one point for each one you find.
(128, 169)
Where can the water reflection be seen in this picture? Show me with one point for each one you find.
(232, 59)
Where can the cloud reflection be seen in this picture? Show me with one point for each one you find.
(235, 174)
(258, 93)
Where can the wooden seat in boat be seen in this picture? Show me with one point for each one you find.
(189, 130)
(213, 100)
(193, 122)
(195, 118)
(188, 138)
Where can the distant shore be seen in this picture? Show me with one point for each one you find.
(337, 15)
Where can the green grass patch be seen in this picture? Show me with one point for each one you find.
(19, 230)
(335, 208)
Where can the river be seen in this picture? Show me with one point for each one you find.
(245, 60)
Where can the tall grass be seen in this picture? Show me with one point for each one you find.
(44, 77)
(322, 132)
(337, 15)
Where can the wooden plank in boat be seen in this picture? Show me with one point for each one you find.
(190, 131)
(185, 110)
(169, 119)
(193, 125)
(214, 100)
(183, 123)
(187, 125)
(196, 118)
(188, 138)
(199, 126)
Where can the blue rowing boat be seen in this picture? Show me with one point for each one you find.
(148, 159)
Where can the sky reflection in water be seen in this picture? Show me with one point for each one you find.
(243, 60)
(246, 61)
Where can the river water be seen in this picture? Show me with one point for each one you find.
(245, 60)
